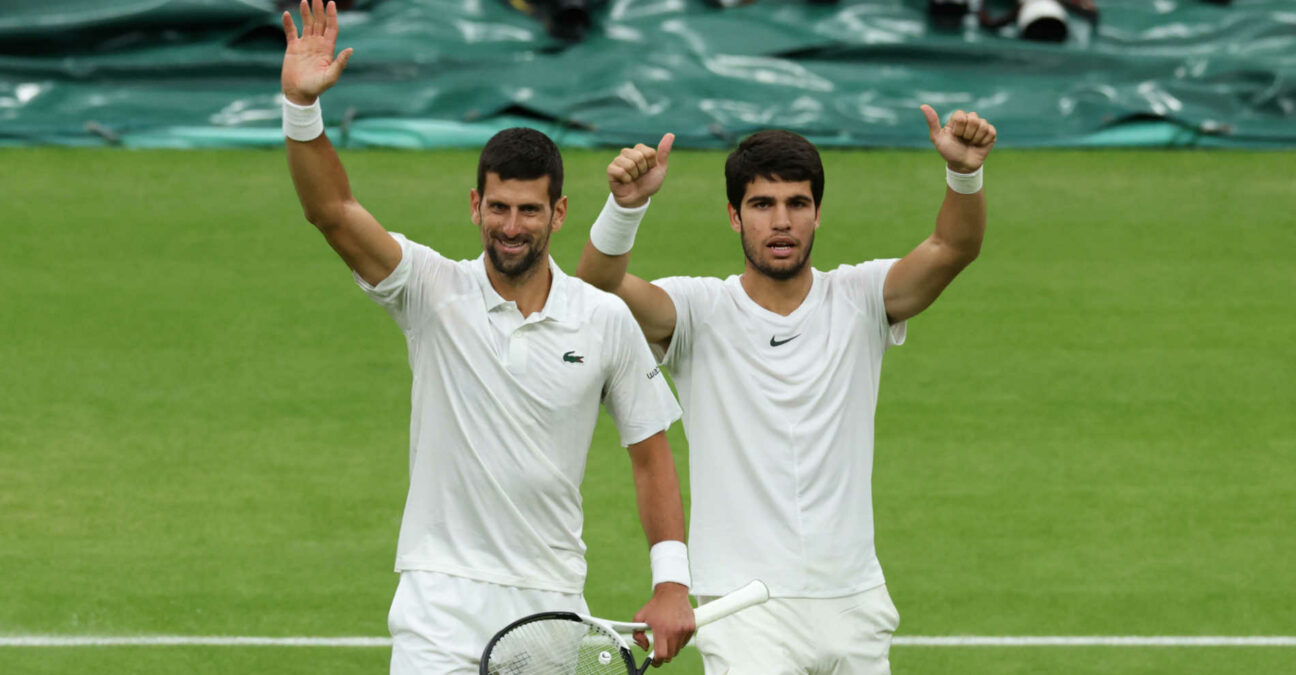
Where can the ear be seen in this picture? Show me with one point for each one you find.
(474, 204)
(735, 219)
(817, 206)
(559, 214)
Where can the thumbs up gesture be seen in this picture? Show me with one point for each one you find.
(964, 141)
(637, 173)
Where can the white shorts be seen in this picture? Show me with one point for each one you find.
(850, 635)
(440, 623)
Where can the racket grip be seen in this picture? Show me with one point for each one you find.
(753, 593)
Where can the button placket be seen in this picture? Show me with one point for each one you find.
(518, 348)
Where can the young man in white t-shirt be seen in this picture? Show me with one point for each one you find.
(510, 360)
(778, 370)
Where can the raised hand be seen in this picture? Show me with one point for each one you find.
(964, 141)
(309, 67)
(637, 173)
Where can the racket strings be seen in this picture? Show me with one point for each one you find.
(557, 647)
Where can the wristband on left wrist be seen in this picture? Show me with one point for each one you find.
(613, 232)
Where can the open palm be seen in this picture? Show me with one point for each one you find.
(309, 68)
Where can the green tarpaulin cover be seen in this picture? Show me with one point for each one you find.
(428, 73)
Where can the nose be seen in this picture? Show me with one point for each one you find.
(782, 218)
(512, 223)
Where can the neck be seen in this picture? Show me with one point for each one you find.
(781, 296)
(529, 290)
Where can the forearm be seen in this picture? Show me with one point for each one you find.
(960, 227)
(606, 257)
(321, 182)
(325, 196)
(915, 282)
(661, 511)
(603, 271)
(604, 262)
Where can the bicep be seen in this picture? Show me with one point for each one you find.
(362, 243)
(326, 199)
(652, 308)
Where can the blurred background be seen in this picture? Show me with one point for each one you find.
(432, 73)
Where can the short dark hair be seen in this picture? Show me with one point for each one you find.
(773, 155)
(521, 154)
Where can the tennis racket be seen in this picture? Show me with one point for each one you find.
(564, 643)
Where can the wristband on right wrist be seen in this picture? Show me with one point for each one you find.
(964, 183)
(302, 123)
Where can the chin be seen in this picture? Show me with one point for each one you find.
(516, 265)
(782, 269)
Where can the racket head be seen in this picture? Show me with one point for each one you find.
(557, 643)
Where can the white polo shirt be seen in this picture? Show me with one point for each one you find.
(502, 414)
(779, 415)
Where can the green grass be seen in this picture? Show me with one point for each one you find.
(203, 423)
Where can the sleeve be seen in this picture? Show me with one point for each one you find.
(689, 295)
(410, 287)
(863, 284)
(635, 392)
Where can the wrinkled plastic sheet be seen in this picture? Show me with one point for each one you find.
(432, 73)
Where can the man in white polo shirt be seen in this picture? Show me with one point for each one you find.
(778, 370)
(510, 360)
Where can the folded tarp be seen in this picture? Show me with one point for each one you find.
(431, 73)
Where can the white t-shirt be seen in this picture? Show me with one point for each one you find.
(779, 415)
(502, 414)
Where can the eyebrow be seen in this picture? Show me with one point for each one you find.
(766, 198)
(500, 202)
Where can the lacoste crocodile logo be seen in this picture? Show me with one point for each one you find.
(573, 357)
(774, 342)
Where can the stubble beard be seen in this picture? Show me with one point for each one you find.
(787, 270)
(523, 265)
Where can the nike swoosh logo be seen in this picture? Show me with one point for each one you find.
(776, 343)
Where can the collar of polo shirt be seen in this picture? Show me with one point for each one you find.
(555, 306)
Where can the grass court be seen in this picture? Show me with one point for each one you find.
(204, 423)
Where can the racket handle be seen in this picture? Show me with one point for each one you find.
(753, 593)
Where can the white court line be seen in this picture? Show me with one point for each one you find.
(187, 640)
(901, 641)
(1095, 641)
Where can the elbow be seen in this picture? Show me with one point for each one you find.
(959, 261)
(324, 218)
(319, 219)
(958, 254)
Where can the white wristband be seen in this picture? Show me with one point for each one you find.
(302, 122)
(964, 183)
(669, 560)
(613, 232)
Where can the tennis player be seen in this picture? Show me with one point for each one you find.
(511, 359)
(777, 370)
